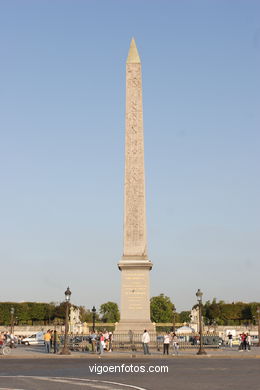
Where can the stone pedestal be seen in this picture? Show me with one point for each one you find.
(135, 295)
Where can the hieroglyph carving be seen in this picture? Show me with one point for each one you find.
(134, 218)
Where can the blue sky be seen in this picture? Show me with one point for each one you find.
(62, 102)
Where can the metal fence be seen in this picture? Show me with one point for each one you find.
(133, 342)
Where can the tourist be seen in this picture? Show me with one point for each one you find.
(93, 341)
(175, 344)
(166, 343)
(47, 341)
(243, 342)
(146, 341)
(56, 342)
(101, 343)
(51, 340)
(230, 339)
(110, 338)
(249, 341)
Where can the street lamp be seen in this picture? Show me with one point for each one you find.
(65, 349)
(12, 319)
(173, 319)
(258, 317)
(201, 351)
(93, 317)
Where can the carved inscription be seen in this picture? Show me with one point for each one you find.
(134, 218)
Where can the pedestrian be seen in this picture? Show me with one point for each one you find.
(110, 338)
(166, 342)
(101, 343)
(51, 340)
(47, 341)
(56, 342)
(230, 339)
(146, 341)
(93, 341)
(175, 344)
(249, 341)
(243, 343)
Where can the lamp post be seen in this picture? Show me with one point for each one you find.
(258, 317)
(93, 317)
(65, 349)
(12, 319)
(173, 319)
(201, 351)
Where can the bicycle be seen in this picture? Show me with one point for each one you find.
(4, 349)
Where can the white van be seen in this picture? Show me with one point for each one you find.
(34, 339)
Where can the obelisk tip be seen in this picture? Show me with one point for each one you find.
(133, 56)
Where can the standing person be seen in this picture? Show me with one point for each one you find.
(175, 344)
(93, 340)
(110, 338)
(146, 341)
(51, 340)
(47, 341)
(230, 339)
(101, 343)
(249, 341)
(243, 344)
(56, 342)
(166, 343)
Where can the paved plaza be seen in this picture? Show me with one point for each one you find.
(184, 373)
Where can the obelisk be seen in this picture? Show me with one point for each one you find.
(134, 265)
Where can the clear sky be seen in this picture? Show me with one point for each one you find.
(62, 102)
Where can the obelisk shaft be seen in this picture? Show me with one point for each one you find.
(134, 265)
(134, 189)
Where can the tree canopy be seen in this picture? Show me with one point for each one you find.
(109, 312)
(161, 309)
(234, 313)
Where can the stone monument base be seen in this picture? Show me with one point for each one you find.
(123, 327)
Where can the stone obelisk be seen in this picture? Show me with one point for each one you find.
(134, 265)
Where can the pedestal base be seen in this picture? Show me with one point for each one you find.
(124, 327)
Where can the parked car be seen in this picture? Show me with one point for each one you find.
(34, 339)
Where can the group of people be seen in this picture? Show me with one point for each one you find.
(9, 339)
(168, 339)
(245, 341)
(101, 341)
(52, 341)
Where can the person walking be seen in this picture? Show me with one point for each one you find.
(146, 341)
(166, 343)
(175, 344)
(47, 341)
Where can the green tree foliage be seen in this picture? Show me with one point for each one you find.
(109, 312)
(86, 315)
(184, 316)
(26, 313)
(161, 309)
(235, 313)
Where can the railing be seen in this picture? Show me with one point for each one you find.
(133, 342)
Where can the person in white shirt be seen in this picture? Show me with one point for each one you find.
(175, 344)
(146, 341)
(166, 342)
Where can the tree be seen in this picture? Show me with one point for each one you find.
(184, 316)
(161, 309)
(86, 314)
(109, 312)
